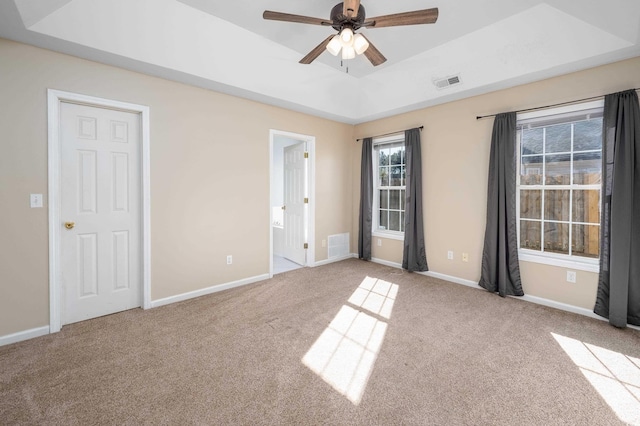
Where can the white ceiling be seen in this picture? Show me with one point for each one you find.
(227, 46)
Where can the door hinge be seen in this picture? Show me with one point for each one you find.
(306, 245)
(306, 200)
(306, 155)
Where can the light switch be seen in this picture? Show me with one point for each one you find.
(36, 200)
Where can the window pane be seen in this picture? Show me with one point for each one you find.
(396, 177)
(384, 157)
(394, 221)
(585, 240)
(558, 138)
(402, 199)
(531, 204)
(404, 176)
(396, 155)
(402, 221)
(586, 206)
(587, 135)
(559, 183)
(384, 176)
(587, 168)
(556, 237)
(531, 170)
(558, 169)
(532, 141)
(530, 235)
(394, 199)
(384, 199)
(556, 204)
(384, 220)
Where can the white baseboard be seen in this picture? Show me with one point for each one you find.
(333, 260)
(386, 263)
(24, 335)
(527, 298)
(452, 279)
(208, 290)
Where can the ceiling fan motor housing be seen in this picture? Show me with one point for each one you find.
(340, 20)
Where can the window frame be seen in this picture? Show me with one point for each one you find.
(549, 258)
(376, 232)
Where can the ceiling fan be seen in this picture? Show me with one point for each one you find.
(346, 18)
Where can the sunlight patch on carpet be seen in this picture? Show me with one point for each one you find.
(615, 376)
(346, 351)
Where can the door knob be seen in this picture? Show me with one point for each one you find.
(284, 207)
(69, 225)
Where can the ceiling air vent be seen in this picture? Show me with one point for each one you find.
(443, 83)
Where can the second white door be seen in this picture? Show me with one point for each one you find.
(295, 193)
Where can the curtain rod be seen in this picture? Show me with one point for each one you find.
(391, 133)
(480, 117)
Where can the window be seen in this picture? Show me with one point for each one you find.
(560, 166)
(389, 186)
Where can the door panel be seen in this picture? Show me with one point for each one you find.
(295, 184)
(101, 197)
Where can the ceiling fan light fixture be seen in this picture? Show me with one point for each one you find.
(348, 52)
(334, 45)
(360, 44)
(347, 16)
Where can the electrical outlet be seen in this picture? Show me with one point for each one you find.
(229, 260)
(379, 242)
(450, 255)
(465, 257)
(324, 243)
(571, 276)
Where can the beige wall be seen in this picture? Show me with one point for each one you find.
(209, 178)
(455, 155)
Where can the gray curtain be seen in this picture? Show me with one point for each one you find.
(414, 256)
(500, 269)
(366, 200)
(618, 296)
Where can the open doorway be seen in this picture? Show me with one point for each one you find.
(291, 201)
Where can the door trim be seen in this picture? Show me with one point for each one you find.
(54, 99)
(311, 175)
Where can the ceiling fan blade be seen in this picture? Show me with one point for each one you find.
(416, 17)
(311, 56)
(350, 8)
(373, 54)
(288, 17)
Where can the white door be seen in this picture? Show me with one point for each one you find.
(295, 191)
(100, 211)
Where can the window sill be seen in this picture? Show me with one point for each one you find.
(388, 235)
(589, 265)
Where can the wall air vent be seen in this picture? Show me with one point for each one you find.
(443, 83)
(338, 245)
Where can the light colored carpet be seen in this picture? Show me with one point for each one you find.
(448, 355)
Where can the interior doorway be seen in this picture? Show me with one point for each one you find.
(291, 204)
(98, 123)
